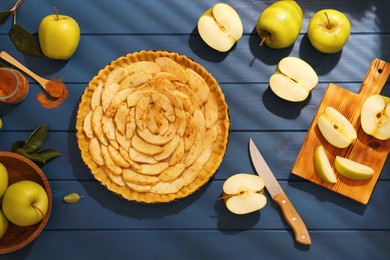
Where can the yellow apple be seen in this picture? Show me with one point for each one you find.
(280, 23)
(329, 30)
(59, 36)
(375, 117)
(220, 27)
(25, 203)
(336, 128)
(322, 165)
(3, 179)
(243, 193)
(351, 169)
(3, 224)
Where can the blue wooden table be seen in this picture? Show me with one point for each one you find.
(104, 226)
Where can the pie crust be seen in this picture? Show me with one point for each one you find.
(153, 126)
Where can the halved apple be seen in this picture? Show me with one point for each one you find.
(351, 169)
(220, 27)
(293, 79)
(336, 128)
(322, 165)
(375, 116)
(243, 193)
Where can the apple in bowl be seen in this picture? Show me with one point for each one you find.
(21, 169)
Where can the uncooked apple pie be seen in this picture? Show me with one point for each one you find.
(153, 126)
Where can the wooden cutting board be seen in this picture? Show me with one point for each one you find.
(366, 149)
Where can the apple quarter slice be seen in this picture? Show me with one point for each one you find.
(336, 128)
(293, 79)
(220, 27)
(322, 165)
(351, 169)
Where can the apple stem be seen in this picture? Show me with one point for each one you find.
(262, 41)
(55, 9)
(328, 25)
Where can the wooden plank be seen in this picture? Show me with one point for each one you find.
(252, 106)
(141, 17)
(246, 63)
(208, 244)
(280, 149)
(321, 209)
(365, 149)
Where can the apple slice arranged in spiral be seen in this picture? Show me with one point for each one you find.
(243, 193)
(375, 116)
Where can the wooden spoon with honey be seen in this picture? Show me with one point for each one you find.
(46, 84)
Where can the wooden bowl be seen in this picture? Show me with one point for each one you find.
(20, 168)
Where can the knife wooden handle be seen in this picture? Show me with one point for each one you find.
(293, 219)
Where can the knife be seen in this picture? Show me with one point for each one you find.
(289, 212)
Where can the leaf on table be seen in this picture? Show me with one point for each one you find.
(40, 156)
(46, 154)
(17, 145)
(36, 138)
(24, 41)
(4, 17)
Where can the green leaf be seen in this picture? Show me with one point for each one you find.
(46, 154)
(24, 41)
(36, 138)
(32, 157)
(17, 145)
(4, 17)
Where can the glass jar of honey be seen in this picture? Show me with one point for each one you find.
(14, 86)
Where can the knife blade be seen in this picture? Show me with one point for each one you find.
(276, 192)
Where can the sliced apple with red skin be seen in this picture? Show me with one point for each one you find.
(322, 165)
(375, 117)
(351, 169)
(243, 193)
(220, 27)
(293, 79)
(336, 128)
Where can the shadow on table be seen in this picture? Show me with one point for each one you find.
(323, 194)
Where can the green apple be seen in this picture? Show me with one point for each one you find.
(322, 165)
(3, 179)
(351, 169)
(279, 24)
(220, 27)
(243, 193)
(329, 30)
(3, 224)
(25, 203)
(59, 36)
(293, 79)
(336, 128)
(375, 116)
